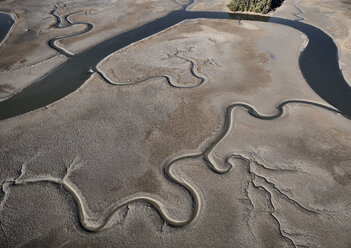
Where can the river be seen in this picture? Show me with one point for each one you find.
(318, 63)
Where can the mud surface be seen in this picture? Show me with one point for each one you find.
(203, 135)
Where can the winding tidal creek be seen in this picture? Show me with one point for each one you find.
(318, 62)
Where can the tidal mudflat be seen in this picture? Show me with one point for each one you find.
(206, 134)
(333, 17)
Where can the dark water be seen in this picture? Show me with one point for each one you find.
(6, 22)
(318, 63)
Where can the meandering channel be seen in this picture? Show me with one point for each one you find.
(108, 214)
(59, 25)
(318, 63)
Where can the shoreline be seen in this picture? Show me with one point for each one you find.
(196, 129)
(329, 25)
(28, 97)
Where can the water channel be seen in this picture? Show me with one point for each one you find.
(318, 63)
(6, 23)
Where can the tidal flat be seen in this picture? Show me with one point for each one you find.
(203, 134)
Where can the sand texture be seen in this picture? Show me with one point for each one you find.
(203, 135)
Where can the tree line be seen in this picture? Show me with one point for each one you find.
(258, 6)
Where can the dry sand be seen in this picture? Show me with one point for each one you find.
(205, 5)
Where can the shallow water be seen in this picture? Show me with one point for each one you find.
(6, 22)
(318, 63)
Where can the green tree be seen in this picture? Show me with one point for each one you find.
(258, 6)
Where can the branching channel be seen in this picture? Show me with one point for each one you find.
(111, 211)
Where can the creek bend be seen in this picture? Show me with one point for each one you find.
(318, 63)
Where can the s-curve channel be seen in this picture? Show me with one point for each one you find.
(318, 63)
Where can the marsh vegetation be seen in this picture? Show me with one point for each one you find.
(258, 6)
